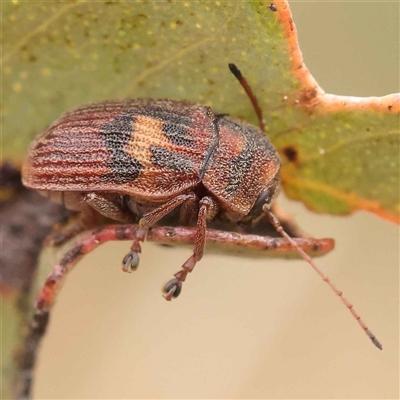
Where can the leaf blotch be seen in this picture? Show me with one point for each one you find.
(273, 7)
(291, 154)
(309, 95)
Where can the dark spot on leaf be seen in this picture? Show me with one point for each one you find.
(178, 22)
(308, 95)
(273, 7)
(290, 153)
(315, 247)
(68, 41)
(390, 108)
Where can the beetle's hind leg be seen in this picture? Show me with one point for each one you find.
(208, 209)
(92, 207)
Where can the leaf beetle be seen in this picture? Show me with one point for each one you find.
(141, 160)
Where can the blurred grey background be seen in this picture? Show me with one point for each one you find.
(248, 328)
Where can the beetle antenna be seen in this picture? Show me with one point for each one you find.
(242, 80)
(275, 222)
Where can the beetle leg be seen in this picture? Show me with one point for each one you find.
(131, 260)
(208, 209)
(108, 205)
(92, 206)
(154, 216)
(88, 219)
(189, 211)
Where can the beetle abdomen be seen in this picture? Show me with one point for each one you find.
(139, 147)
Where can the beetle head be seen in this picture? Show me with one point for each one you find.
(266, 197)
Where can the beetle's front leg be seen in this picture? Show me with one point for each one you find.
(131, 260)
(208, 209)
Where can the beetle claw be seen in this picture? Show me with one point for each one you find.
(172, 289)
(130, 262)
(168, 296)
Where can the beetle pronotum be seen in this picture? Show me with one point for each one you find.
(145, 159)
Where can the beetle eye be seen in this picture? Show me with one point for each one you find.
(265, 198)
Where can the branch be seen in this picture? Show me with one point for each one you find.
(252, 244)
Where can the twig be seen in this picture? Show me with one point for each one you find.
(165, 235)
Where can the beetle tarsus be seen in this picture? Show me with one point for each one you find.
(172, 289)
(130, 262)
(189, 265)
(168, 296)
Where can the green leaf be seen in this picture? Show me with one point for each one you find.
(339, 154)
(345, 159)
